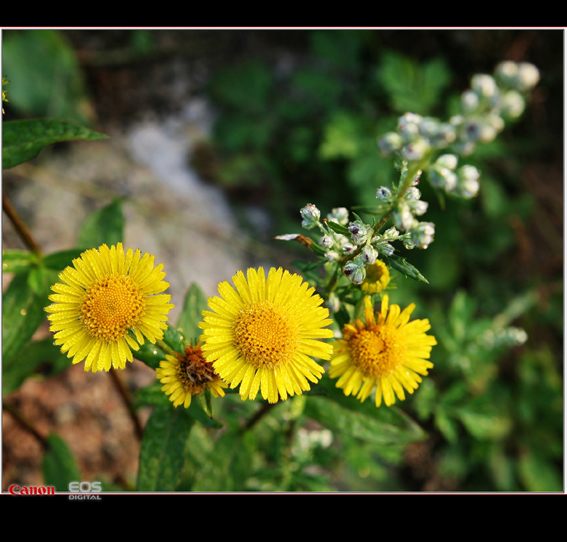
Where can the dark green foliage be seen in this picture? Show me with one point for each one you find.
(22, 140)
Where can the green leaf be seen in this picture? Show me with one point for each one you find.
(195, 302)
(153, 395)
(383, 425)
(174, 339)
(59, 466)
(24, 139)
(407, 269)
(17, 261)
(341, 138)
(46, 77)
(150, 354)
(35, 355)
(412, 86)
(538, 474)
(337, 228)
(23, 311)
(105, 226)
(61, 259)
(162, 455)
(229, 464)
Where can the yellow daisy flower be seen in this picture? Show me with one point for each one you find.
(387, 352)
(188, 374)
(377, 278)
(263, 334)
(106, 299)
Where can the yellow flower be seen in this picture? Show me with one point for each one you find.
(387, 352)
(188, 374)
(377, 278)
(106, 299)
(263, 334)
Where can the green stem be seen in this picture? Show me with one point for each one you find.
(165, 347)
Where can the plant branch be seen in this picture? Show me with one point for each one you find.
(20, 226)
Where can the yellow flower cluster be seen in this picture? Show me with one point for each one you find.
(263, 334)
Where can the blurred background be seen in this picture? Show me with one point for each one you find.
(219, 137)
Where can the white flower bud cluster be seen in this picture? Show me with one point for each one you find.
(503, 337)
(418, 234)
(484, 107)
(416, 136)
(463, 182)
(490, 101)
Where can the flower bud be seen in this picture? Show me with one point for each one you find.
(468, 184)
(449, 161)
(332, 256)
(403, 217)
(445, 135)
(412, 193)
(326, 241)
(384, 194)
(469, 102)
(429, 127)
(528, 76)
(422, 234)
(387, 249)
(339, 215)
(419, 207)
(355, 270)
(442, 177)
(310, 215)
(359, 232)
(333, 303)
(389, 143)
(415, 150)
(391, 233)
(512, 104)
(507, 72)
(484, 85)
(369, 254)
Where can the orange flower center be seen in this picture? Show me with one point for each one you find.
(377, 351)
(264, 335)
(111, 307)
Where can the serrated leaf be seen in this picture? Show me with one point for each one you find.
(336, 227)
(59, 465)
(162, 455)
(383, 425)
(24, 139)
(104, 226)
(195, 302)
(403, 266)
(17, 261)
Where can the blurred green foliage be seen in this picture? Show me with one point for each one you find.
(45, 76)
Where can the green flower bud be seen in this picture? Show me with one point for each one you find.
(390, 143)
(528, 76)
(310, 215)
(512, 104)
(484, 85)
(448, 161)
